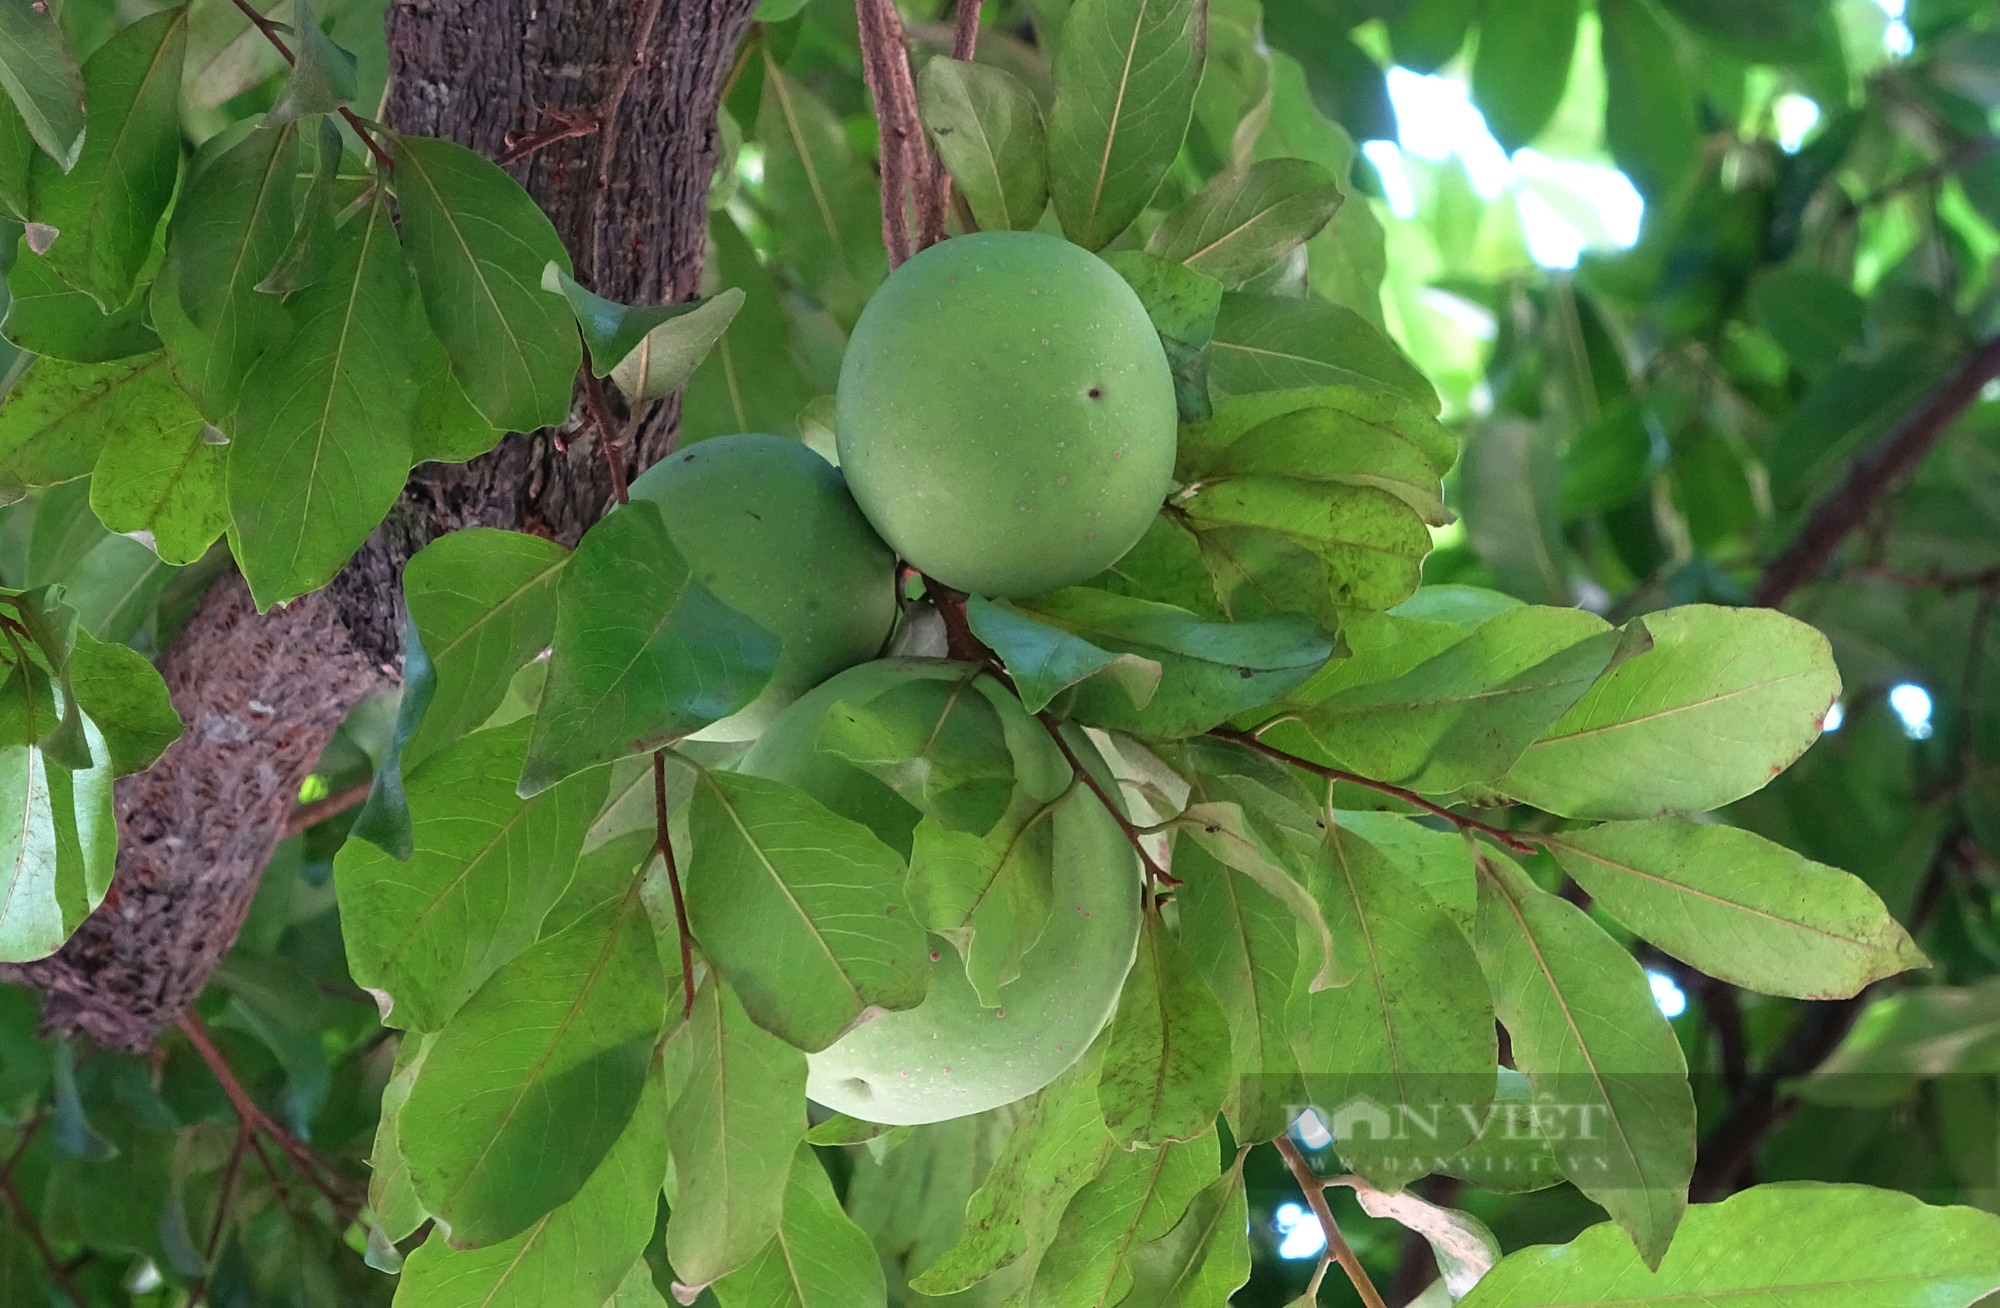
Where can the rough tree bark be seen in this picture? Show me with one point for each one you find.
(261, 696)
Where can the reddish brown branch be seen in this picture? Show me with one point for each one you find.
(1158, 875)
(1873, 474)
(50, 1263)
(1337, 1247)
(964, 42)
(264, 25)
(885, 64)
(607, 433)
(307, 816)
(250, 1115)
(564, 127)
(1459, 820)
(665, 846)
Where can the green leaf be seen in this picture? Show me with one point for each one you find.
(116, 588)
(1125, 78)
(827, 211)
(643, 655)
(61, 836)
(1328, 436)
(323, 76)
(938, 744)
(117, 688)
(487, 866)
(449, 427)
(1244, 942)
(107, 204)
(1737, 906)
(532, 1082)
(734, 1129)
(1586, 1031)
(1776, 31)
(1044, 660)
(1723, 702)
(991, 893)
(1270, 343)
(578, 1253)
(988, 130)
(1439, 862)
(477, 246)
(322, 440)
(637, 1290)
(1166, 1052)
(818, 1259)
(60, 417)
(305, 257)
(1182, 304)
(799, 908)
(1649, 103)
(1209, 671)
(234, 219)
(166, 481)
(1522, 65)
(1465, 1250)
(753, 380)
(1058, 1143)
(40, 76)
(649, 349)
(1139, 1196)
(1465, 715)
(1248, 219)
(49, 317)
(1772, 1245)
(1925, 1031)
(1205, 1258)
(484, 604)
(394, 1210)
(1410, 1018)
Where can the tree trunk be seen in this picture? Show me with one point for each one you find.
(261, 696)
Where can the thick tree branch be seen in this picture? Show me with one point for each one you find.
(1874, 474)
(906, 169)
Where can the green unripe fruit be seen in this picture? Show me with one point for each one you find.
(1006, 416)
(949, 1056)
(768, 526)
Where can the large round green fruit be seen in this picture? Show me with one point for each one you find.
(1006, 416)
(768, 526)
(950, 1056)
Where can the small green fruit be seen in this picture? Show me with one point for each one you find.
(769, 527)
(1006, 415)
(949, 1056)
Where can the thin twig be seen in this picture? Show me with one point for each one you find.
(26, 1217)
(607, 435)
(28, 1133)
(964, 43)
(307, 816)
(270, 32)
(247, 1112)
(1160, 876)
(243, 1137)
(1337, 1247)
(1459, 820)
(567, 126)
(1873, 474)
(665, 844)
